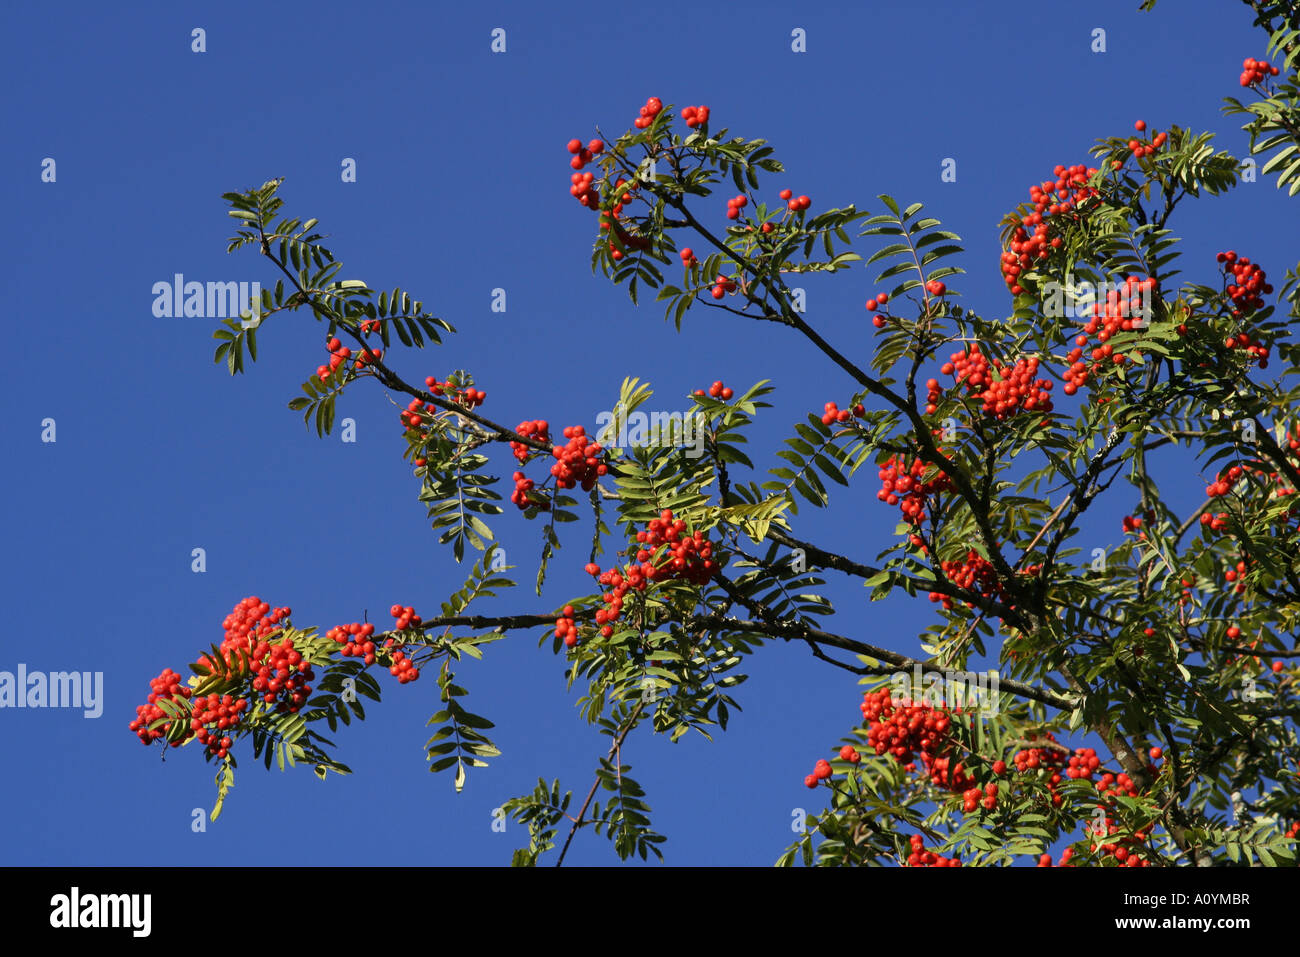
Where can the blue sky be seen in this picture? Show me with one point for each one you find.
(462, 187)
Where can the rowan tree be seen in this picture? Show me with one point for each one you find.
(1172, 650)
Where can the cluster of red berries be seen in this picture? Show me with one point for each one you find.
(1081, 765)
(403, 668)
(905, 729)
(878, 302)
(1225, 481)
(521, 497)
(627, 239)
(1121, 849)
(1084, 763)
(920, 857)
(251, 619)
(721, 286)
(413, 416)
(626, 191)
(1014, 388)
(248, 623)
(282, 678)
(1046, 859)
(637, 577)
(933, 393)
(794, 203)
(735, 205)
(1254, 347)
(971, 367)
(166, 685)
(901, 484)
(213, 715)
(355, 639)
(835, 414)
(985, 797)
(405, 617)
(1123, 309)
(822, 771)
(370, 325)
(339, 353)
(565, 628)
(582, 188)
(1215, 523)
(538, 429)
(1113, 784)
(582, 155)
(1248, 282)
(1228, 478)
(470, 398)
(688, 258)
(1232, 576)
(1067, 194)
(1141, 149)
(1044, 758)
(686, 558)
(974, 573)
(1048, 760)
(695, 115)
(648, 112)
(577, 461)
(935, 288)
(1253, 71)
(718, 391)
